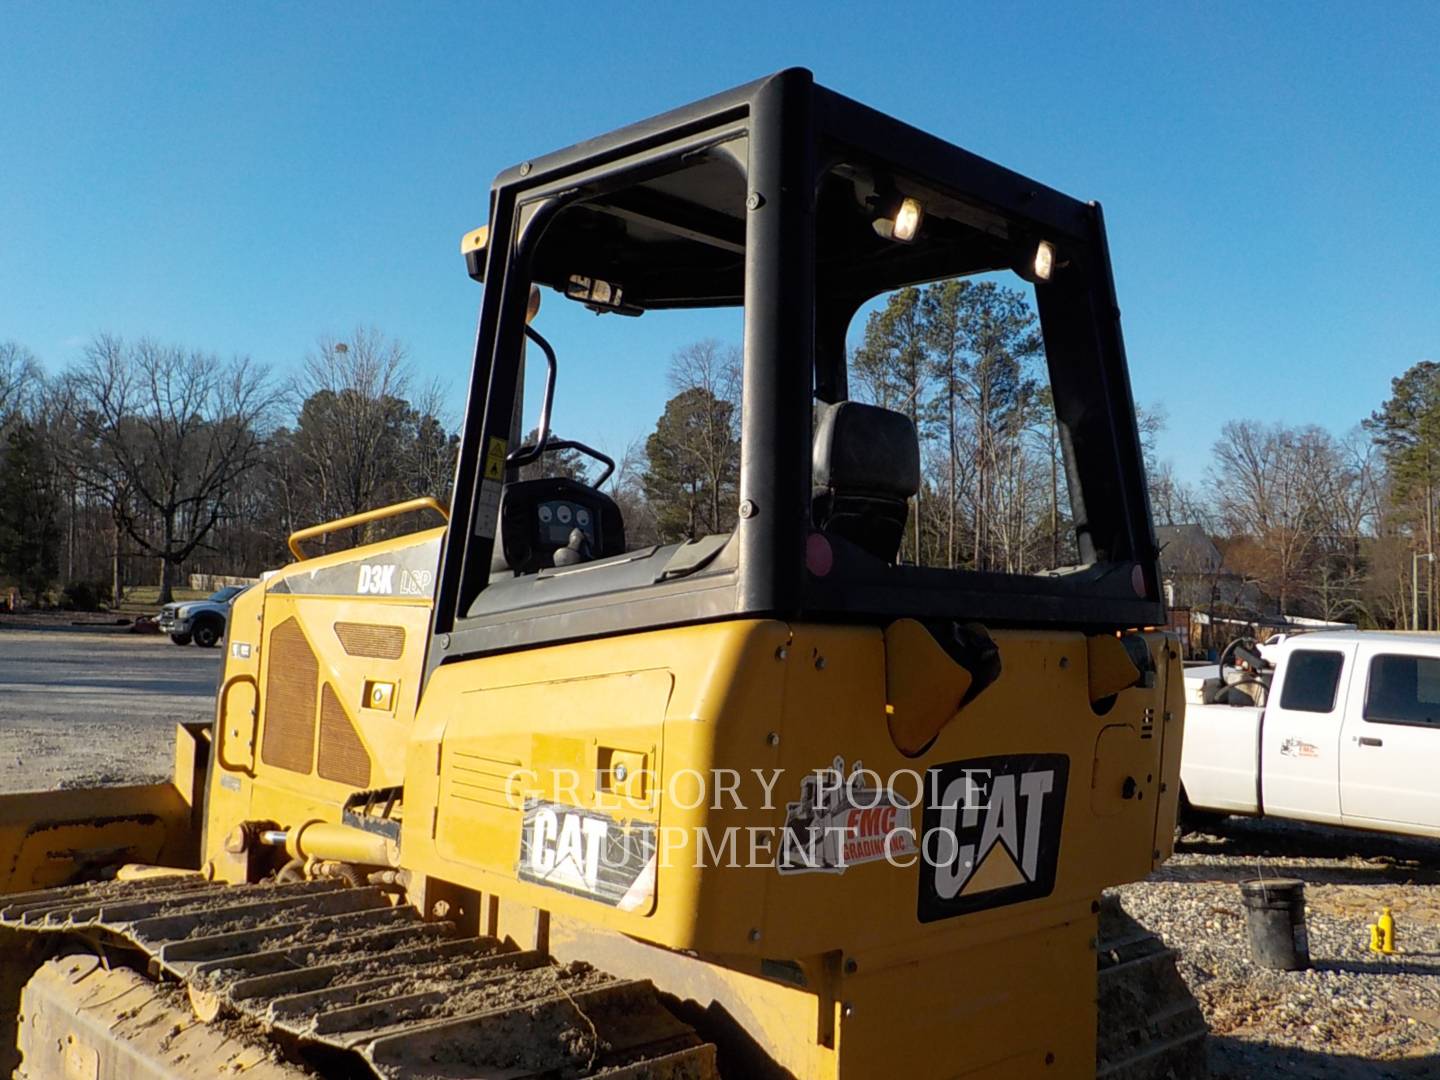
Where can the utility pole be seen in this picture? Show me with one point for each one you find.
(1415, 558)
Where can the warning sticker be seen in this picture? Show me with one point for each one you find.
(487, 509)
(495, 460)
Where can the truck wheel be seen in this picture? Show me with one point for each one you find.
(180, 639)
(207, 634)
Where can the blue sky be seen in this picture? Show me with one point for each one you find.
(246, 178)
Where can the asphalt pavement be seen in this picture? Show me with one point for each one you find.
(87, 707)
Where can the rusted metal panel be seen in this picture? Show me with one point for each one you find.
(375, 640)
(288, 741)
(342, 756)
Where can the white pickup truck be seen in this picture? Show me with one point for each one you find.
(1346, 732)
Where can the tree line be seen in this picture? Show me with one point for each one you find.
(964, 360)
(141, 462)
(1340, 528)
(1301, 522)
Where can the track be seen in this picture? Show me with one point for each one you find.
(1150, 1027)
(333, 974)
(346, 981)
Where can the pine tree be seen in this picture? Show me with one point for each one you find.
(29, 512)
(1407, 430)
(692, 475)
(892, 367)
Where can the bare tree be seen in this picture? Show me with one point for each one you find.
(1174, 502)
(1274, 483)
(162, 434)
(627, 487)
(432, 456)
(349, 396)
(359, 441)
(20, 378)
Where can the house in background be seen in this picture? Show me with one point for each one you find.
(1190, 566)
(1207, 601)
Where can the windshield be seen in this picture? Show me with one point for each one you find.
(221, 596)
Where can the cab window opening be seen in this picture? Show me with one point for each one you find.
(928, 309)
(640, 299)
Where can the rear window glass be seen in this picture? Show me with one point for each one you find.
(1311, 679)
(1404, 690)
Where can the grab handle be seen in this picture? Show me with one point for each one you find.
(425, 502)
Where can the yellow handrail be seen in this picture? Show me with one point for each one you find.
(425, 502)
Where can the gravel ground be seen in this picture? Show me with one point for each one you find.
(1355, 1014)
(95, 705)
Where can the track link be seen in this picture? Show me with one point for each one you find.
(320, 966)
(1150, 1027)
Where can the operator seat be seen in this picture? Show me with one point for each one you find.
(865, 468)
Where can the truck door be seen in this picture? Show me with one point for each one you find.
(1390, 754)
(1300, 736)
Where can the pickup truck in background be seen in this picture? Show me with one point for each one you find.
(200, 621)
(1336, 727)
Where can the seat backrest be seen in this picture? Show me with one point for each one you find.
(865, 469)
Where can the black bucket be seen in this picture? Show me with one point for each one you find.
(1275, 917)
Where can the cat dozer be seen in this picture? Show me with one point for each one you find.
(513, 797)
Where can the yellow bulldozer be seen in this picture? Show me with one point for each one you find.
(513, 797)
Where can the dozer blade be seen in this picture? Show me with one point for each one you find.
(56, 837)
(338, 977)
(50, 838)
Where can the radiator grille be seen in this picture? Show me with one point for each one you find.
(342, 755)
(289, 740)
(369, 639)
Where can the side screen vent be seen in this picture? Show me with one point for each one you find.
(343, 757)
(369, 639)
(289, 704)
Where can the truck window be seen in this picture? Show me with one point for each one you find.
(1311, 679)
(1404, 690)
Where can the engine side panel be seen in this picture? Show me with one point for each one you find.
(321, 679)
(757, 707)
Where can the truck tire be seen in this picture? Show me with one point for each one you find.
(208, 632)
(180, 639)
